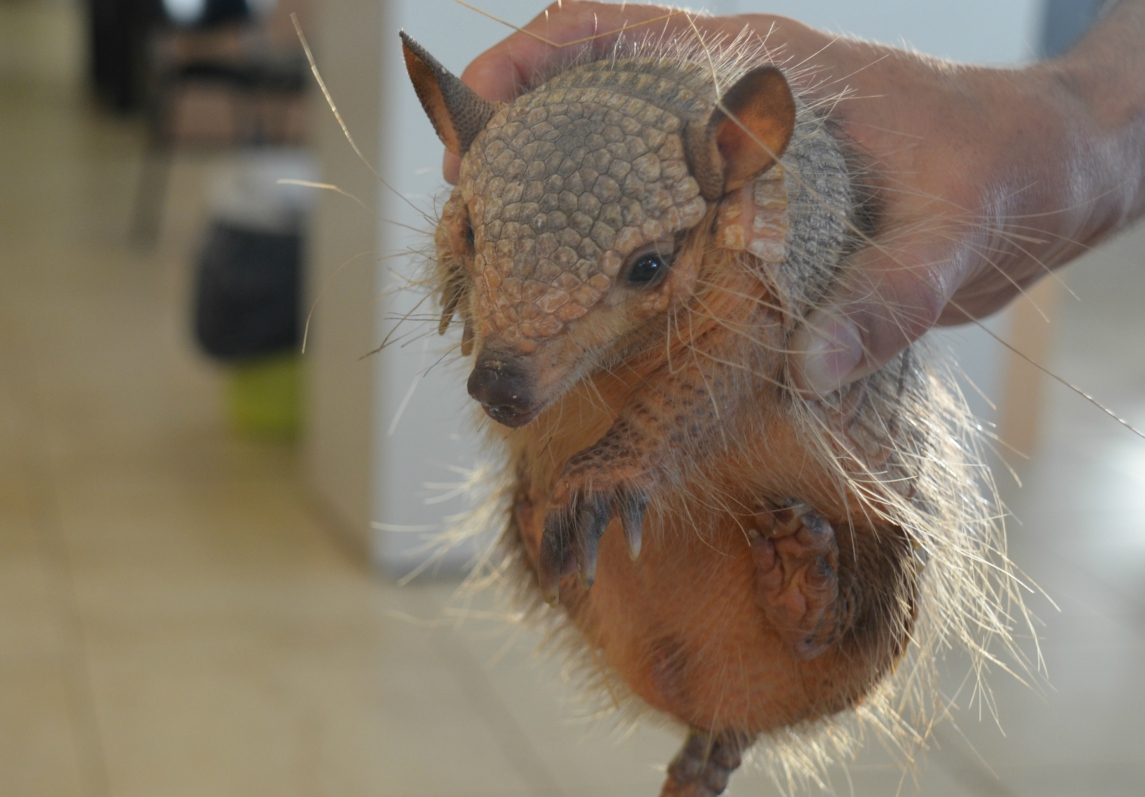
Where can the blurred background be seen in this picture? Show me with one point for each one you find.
(203, 530)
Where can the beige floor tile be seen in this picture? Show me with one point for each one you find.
(166, 557)
(221, 717)
(33, 621)
(886, 780)
(32, 627)
(1111, 778)
(539, 707)
(1089, 713)
(42, 748)
(125, 517)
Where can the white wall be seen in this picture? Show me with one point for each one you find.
(985, 31)
(416, 457)
(431, 446)
(340, 271)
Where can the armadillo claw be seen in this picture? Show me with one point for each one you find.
(631, 505)
(592, 520)
(571, 536)
(554, 560)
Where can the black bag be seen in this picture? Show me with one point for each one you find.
(247, 292)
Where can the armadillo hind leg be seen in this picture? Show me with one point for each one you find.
(797, 564)
(703, 766)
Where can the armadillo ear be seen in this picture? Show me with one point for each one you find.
(730, 147)
(457, 112)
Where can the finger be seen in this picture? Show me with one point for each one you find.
(500, 72)
(567, 28)
(451, 167)
(885, 302)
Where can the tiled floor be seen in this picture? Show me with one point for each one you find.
(175, 619)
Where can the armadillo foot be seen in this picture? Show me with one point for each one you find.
(703, 766)
(586, 500)
(797, 585)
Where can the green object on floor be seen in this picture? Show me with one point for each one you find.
(264, 396)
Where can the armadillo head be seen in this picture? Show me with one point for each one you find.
(584, 209)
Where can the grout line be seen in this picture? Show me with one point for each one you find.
(52, 550)
(509, 735)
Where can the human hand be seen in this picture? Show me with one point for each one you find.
(981, 180)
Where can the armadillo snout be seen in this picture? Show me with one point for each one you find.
(504, 391)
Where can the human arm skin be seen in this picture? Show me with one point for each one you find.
(984, 179)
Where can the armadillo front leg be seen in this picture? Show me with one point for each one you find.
(703, 766)
(674, 420)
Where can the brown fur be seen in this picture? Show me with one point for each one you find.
(680, 623)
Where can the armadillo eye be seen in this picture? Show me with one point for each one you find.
(469, 235)
(647, 269)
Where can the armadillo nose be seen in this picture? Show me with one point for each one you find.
(503, 392)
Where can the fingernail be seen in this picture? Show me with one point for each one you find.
(831, 349)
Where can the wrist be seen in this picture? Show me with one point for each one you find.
(1101, 151)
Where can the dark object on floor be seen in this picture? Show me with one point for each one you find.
(117, 49)
(247, 292)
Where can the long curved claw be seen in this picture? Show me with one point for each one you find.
(593, 519)
(554, 559)
(571, 537)
(631, 505)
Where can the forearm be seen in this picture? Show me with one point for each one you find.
(1108, 64)
(1105, 75)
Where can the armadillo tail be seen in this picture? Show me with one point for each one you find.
(703, 766)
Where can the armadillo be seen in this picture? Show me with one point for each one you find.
(629, 248)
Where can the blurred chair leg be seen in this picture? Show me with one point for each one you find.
(150, 194)
(151, 191)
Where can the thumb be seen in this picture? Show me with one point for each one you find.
(883, 303)
(451, 167)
